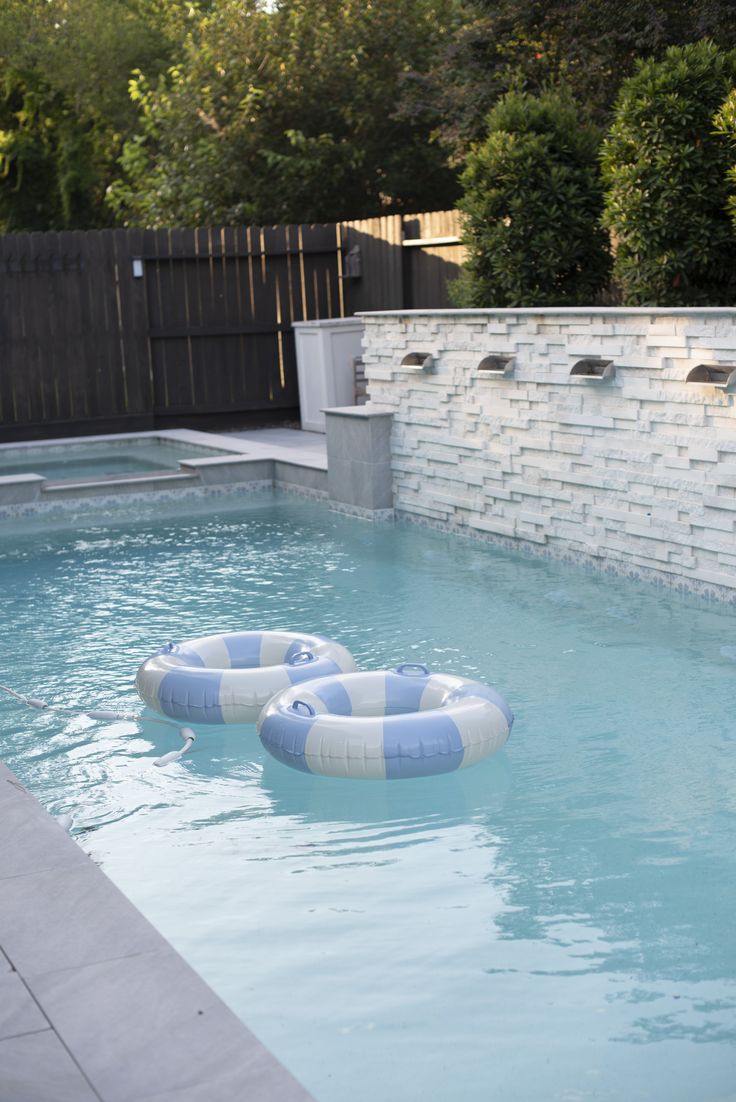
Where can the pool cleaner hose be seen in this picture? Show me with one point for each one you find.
(186, 733)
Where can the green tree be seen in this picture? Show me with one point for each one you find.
(591, 45)
(46, 158)
(64, 103)
(532, 203)
(288, 113)
(665, 172)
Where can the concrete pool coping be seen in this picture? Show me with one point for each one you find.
(95, 1004)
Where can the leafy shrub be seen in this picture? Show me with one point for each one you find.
(532, 203)
(726, 125)
(665, 173)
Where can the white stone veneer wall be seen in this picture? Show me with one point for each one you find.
(639, 472)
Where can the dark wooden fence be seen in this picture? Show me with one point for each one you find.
(122, 330)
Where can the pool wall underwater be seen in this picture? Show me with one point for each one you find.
(575, 432)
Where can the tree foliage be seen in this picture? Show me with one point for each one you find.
(725, 123)
(288, 113)
(665, 171)
(532, 203)
(64, 103)
(591, 45)
(151, 112)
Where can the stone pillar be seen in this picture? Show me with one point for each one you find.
(359, 459)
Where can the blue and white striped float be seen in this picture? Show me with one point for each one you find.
(228, 678)
(390, 724)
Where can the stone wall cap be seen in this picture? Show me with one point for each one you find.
(20, 479)
(565, 311)
(329, 323)
(357, 411)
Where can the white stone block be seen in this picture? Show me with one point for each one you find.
(718, 501)
(498, 525)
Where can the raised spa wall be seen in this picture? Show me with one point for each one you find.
(572, 431)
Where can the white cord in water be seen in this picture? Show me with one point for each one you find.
(106, 714)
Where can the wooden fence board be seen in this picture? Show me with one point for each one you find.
(114, 385)
(129, 246)
(36, 253)
(36, 326)
(79, 384)
(235, 309)
(15, 350)
(97, 319)
(205, 390)
(7, 315)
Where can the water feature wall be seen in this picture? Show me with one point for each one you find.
(607, 434)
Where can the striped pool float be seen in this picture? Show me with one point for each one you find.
(389, 724)
(228, 678)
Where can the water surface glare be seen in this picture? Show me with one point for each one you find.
(555, 922)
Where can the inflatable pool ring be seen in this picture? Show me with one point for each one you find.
(390, 724)
(228, 678)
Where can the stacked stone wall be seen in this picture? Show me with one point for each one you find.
(638, 471)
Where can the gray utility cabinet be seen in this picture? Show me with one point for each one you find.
(326, 351)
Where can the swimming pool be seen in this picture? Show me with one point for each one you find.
(86, 459)
(556, 919)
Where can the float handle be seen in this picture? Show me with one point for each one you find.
(413, 669)
(301, 657)
(302, 708)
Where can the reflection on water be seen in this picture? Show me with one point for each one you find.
(460, 796)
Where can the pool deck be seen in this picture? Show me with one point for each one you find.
(294, 445)
(95, 1004)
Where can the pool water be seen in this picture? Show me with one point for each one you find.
(555, 922)
(73, 461)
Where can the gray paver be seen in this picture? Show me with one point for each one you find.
(147, 1024)
(32, 840)
(37, 1068)
(84, 918)
(8, 780)
(19, 1013)
(291, 445)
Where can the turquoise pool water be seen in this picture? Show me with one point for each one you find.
(89, 460)
(555, 922)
